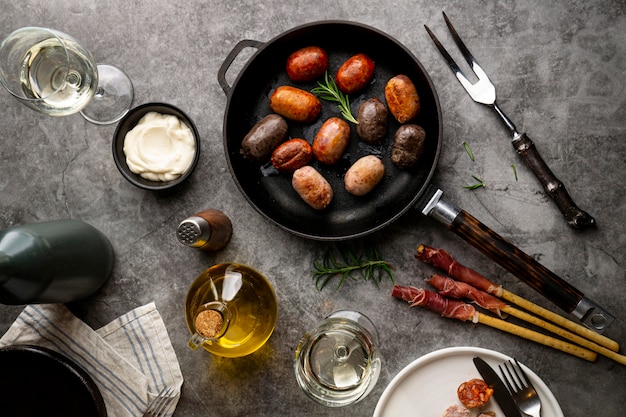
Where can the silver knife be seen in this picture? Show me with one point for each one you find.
(500, 392)
(514, 260)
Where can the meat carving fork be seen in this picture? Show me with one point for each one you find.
(484, 92)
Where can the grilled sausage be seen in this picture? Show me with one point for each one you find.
(364, 175)
(264, 136)
(331, 140)
(312, 187)
(291, 155)
(355, 73)
(402, 98)
(372, 118)
(307, 64)
(408, 146)
(474, 393)
(295, 104)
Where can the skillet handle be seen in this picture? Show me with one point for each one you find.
(221, 74)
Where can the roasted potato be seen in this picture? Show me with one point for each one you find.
(372, 118)
(264, 136)
(364, 175)
(312, 187)
(408, 145)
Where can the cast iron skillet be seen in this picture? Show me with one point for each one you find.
(37, 381)
(271, 194)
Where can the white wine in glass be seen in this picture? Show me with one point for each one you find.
(338, 362)
(51, 72)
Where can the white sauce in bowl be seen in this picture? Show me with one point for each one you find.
(160, 147)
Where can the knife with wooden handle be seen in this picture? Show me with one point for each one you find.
(514, 260)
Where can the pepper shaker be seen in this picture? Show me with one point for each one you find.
(208, 230)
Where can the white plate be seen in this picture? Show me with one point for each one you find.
(427, 386)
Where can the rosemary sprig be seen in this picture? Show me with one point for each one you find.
(479, 184)
(369, 266)
(468, 150)
(330, 92)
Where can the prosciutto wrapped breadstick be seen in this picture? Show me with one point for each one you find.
(459, 310)
(452, 309)
(442, 260)
(459, 290)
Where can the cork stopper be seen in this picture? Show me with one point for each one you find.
(209, 323)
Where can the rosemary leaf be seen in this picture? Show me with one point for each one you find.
(330, 92)
(479, 184)
(369, 266)
(514, 171)
(468, 150)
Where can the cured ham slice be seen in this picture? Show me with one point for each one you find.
(441, 259)
(430, 300)
(457, 289)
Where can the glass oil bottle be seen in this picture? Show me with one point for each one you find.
(231, 310)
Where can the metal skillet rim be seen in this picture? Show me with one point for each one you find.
(262, 46)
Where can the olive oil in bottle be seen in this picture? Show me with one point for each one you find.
(230, 310)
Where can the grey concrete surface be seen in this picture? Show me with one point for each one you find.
(559, 67)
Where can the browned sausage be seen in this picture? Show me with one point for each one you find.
(312, 187)
(364, 175)
(402, 98)
(264, 136)
(307, 64)
(355, 73)
(331, 140)
(291, 155)
(408, 146)
(474, 393)
(295, 104)
(372, 118)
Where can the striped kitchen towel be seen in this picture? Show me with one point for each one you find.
(130, 359)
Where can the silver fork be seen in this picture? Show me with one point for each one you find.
(160, 405)
(522, 390)
(484, 92)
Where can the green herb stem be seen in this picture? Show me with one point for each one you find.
(479, 184)
(330, 92)
(369, 267)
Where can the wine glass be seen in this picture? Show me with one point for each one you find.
(338, 363)
(52, 73)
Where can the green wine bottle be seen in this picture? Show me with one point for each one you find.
(53, 262)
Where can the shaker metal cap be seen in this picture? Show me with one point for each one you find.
(194, 231)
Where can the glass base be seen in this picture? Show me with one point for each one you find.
(113, 97)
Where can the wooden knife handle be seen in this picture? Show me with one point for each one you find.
(575, 217)
(514, 260)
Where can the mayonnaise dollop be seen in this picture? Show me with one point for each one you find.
(160, 147)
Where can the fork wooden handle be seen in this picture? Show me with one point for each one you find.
(575, 217)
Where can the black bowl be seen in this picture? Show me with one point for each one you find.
(128, 123)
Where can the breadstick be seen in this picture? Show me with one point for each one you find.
(459, 310)
(444, 261)
(565, 334)
(561, 321)
(537, 337)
